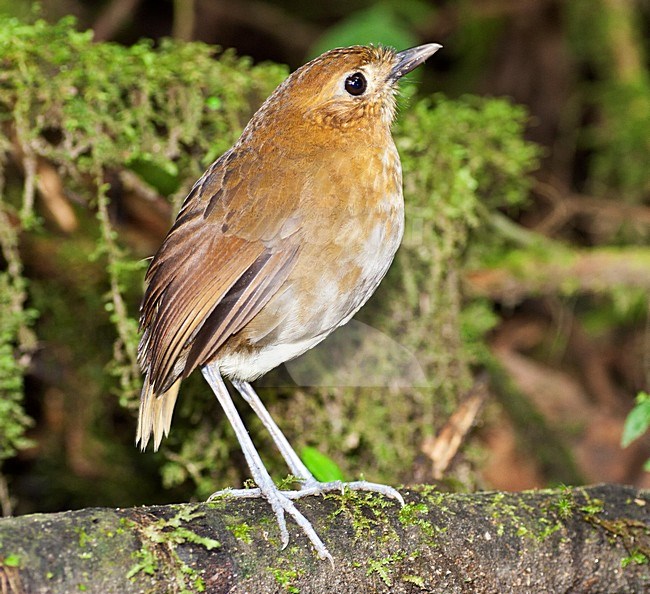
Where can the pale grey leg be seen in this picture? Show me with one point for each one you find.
(309, 485)
(295, 464)
(280, 503)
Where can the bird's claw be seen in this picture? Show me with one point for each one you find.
(281, 502)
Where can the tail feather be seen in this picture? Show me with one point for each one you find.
(155, 416)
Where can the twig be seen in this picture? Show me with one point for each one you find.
(442, 448)
(113, 17)
(184, 18)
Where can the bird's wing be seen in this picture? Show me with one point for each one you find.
(223, 260)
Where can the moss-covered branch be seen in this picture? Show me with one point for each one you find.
(559, 270)
(594, 540)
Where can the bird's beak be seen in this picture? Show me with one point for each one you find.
(409, 59)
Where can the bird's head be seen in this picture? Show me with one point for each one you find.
(349, 87)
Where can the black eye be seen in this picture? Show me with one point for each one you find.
(356, 84)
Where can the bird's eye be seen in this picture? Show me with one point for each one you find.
(356, 84)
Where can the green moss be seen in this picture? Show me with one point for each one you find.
(433, 496)
(286, 578)
(146, 562)
(383, 567)
(636, 557)
(410, 514)
(565, 505)
(592, 507)
(84, 539)
(15, 336)
(159, 541)
(363, 509)
(242, 532)
(524, 521)
(633, 535)
(414, 579)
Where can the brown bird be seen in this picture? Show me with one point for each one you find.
(279, 243)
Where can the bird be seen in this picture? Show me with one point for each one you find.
(281, 241)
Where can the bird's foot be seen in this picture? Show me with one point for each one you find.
(313, 487)
(281, 502)
(316, 488)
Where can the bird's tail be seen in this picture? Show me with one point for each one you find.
(155, 416)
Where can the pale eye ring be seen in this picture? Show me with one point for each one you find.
(356, 84)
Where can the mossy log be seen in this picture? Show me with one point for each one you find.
(594, 539)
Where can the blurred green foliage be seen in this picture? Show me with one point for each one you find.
(378, 23)
(321, 466)
(14, 321)
(619, 91)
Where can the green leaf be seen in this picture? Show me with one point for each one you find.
(638, 420)
(377, 24)
(12, 561)
(162, 176)
(320, 465)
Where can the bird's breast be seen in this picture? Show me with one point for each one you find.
(350, 238)
(350, 226)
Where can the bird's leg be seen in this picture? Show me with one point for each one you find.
(295, 464)
(280, 503)
(309, 484)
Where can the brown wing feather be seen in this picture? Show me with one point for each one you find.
(210, 277)
(245, 299)
(190, 297)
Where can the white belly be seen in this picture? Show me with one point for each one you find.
(294, 335)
